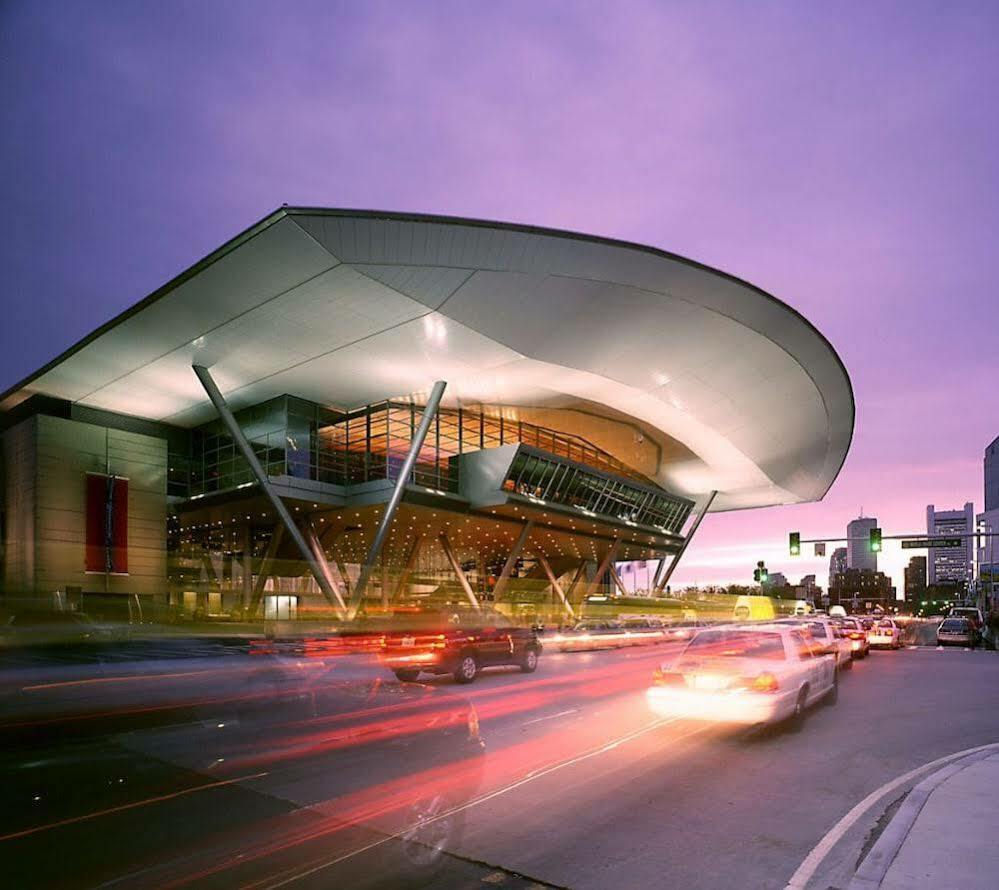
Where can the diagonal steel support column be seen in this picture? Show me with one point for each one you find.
(218, 400)
(265, 568)
(511, 560)
(604, 565)
(683, 547)
(451, 558)
(659, 573)
(617, 580)
(429, 412)
(317, 550)
(575, 579)
(407, 569)
(555, 585)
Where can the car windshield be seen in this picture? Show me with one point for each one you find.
(737, 644)
(954, 624)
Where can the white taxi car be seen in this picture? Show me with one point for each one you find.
(745, 675)
(885, 632)
(827, 634)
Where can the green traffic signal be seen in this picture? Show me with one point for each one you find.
(794, 543)
(875, 540)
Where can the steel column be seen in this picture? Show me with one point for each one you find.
(602, 568)
(451, 558)
(575, 579)
(617, 580)
(218, 400)
(407, 570)
(511, 560)
(683, 547)
(265, 568)
(555, 585)
(317, 551)
(658, 575)
(429, 412)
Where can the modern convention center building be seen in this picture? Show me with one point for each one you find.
(345, 410)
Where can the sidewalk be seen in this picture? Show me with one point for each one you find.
(942, 834)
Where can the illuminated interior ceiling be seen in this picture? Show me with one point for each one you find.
(344, 308)
(347, 534)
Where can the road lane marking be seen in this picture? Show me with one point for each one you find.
(551, 716)
(806, 871)
(530, 777)
(128, 806)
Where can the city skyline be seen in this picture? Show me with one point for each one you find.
(812, 186)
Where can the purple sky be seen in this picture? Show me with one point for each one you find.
(845, 157)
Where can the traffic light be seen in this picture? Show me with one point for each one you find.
(794, 543)
(760, 573)
(875, 540)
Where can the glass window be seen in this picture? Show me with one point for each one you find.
(737, 644)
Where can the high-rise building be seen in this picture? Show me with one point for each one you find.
(992, 476)
(915, 579)
(858, 548)
(837, 563)
(988, 522)
(951, 565)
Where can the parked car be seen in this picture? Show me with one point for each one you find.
(745, 675)
(461, 647)
(957, 632)
(885, 633)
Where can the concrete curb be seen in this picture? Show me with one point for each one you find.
(875, 866)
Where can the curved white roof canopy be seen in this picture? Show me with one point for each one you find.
(349, 307)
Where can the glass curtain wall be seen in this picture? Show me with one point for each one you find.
(298, 438)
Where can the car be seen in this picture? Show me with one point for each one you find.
(854, 631)
(461, 645)
(592, 633)
(51, 628)
(641, 631)
(957, 632)
(973, 614)
(683, 630)
(826, 634)
(885, 633)
(745, 675)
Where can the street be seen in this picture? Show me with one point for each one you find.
(581, 787)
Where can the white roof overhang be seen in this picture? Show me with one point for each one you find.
(350, 307)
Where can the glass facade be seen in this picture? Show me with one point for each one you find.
(297, 438)
(541, 477)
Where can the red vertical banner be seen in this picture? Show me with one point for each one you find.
(106, 524)
(97, 493)
(119, 526)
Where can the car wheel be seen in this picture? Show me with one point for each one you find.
(467, 670)
(430, 830)
(832, 696)
(529, 663)
(404, 676)
(848, 664)
(797, 719)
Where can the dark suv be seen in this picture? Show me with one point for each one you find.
(461, 644)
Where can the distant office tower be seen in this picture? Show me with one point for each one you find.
(992, 476)
(837, 563)
(915, 579)
(950, 565)
(988, 522)
(858, 549)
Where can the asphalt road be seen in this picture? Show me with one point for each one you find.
(581, 787)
